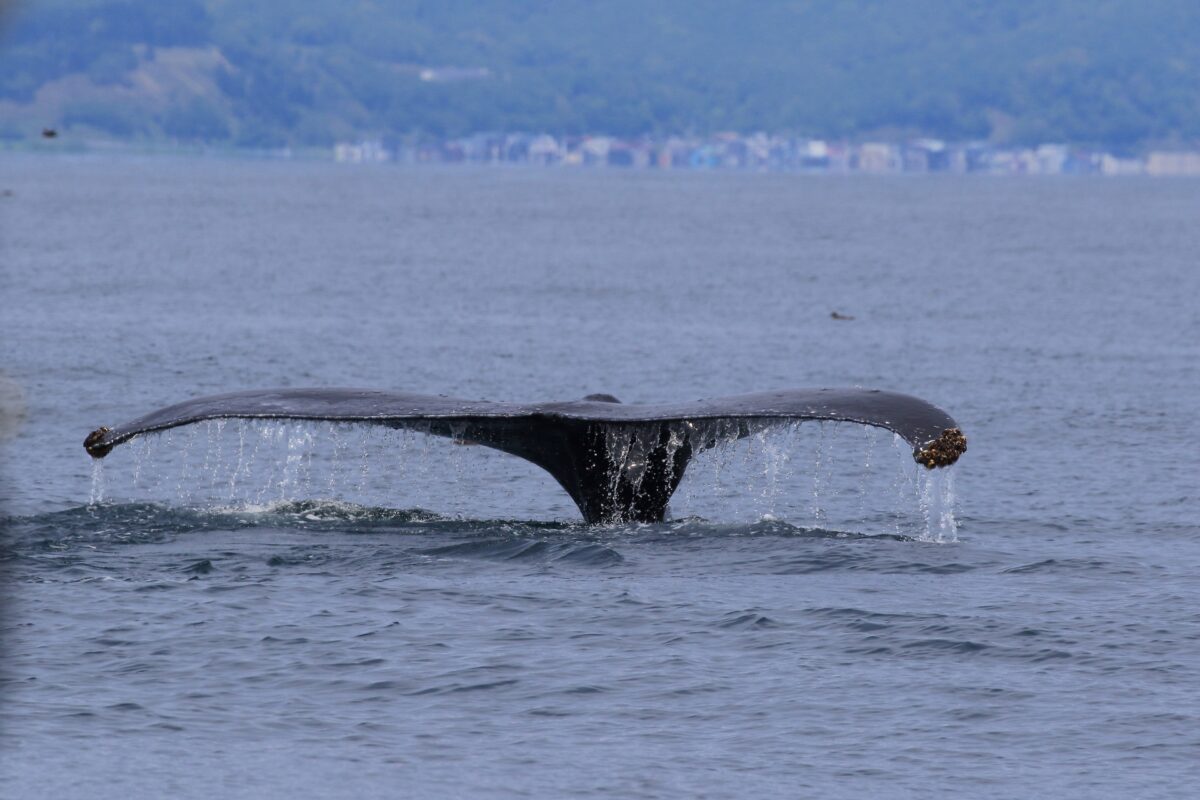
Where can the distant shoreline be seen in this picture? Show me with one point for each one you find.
(514, 151)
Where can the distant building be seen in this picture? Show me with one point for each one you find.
(629, 154)
(758, 150)
(841, 156)
(1173, 164)
(705, 156)
(977, 157)
(1051, 159)
(364, 152)
(1025, 162)
(677, 153)
(1111, 165)
(516, 147)
(957, 160)
(813, 155)
(595, 150)
(927, 155)
(916, 159)
(1082, 162)
(763, 151)
(544, 151)
(878, 158)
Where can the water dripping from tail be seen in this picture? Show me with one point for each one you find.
(817, 474)
(937, 505)
(97, 493)
(820, 477)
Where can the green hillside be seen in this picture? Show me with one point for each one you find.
(1119, 73)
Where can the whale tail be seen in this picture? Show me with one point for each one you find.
(619, 463)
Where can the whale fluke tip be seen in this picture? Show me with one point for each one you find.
(95, 444)
(942, 451)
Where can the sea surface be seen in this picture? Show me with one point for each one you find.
(250, 609)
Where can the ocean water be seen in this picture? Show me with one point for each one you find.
(280, 610)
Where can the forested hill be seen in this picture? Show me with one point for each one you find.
(1120, 73)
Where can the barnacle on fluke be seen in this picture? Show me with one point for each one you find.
(95, 444)
(942, 451)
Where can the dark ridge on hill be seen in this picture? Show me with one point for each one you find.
(1121, 73)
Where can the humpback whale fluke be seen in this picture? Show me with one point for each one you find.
(619, 462)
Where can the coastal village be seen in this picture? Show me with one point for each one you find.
(770, 153)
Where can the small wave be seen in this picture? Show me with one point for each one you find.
(142, 523)
(945, 645)
(64, 539)
(322, 513)
(766, 526)
(846, 560)
(846, 615)
(747, 620)
(143, 518)
(459, 688)
(142, 514)
(521, 549)
(1062, 565)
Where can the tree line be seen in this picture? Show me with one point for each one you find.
(1120, 74)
